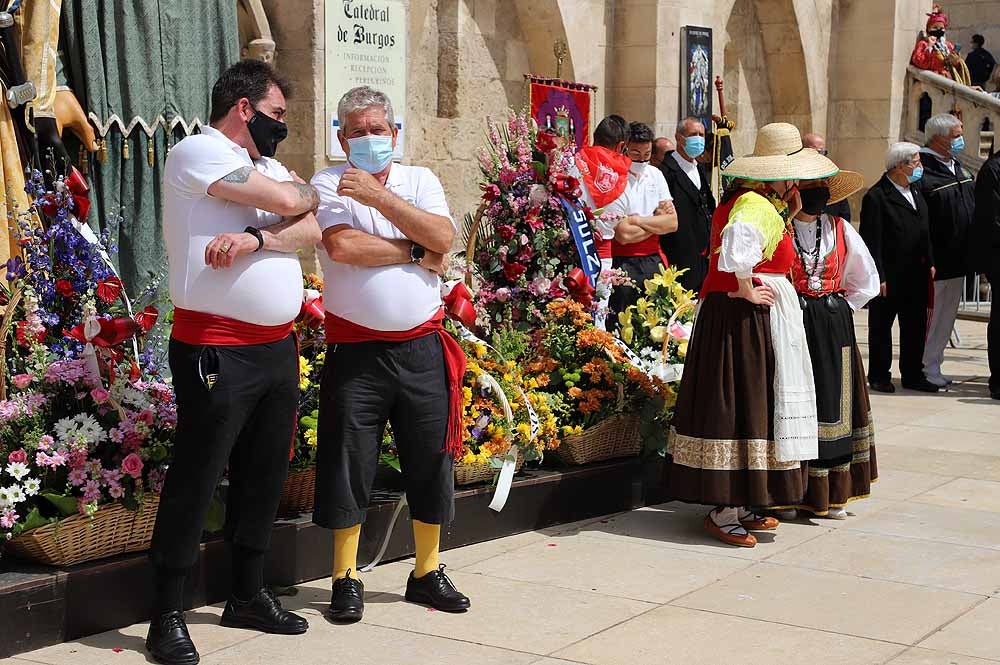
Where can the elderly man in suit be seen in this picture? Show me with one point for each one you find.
(692, 189)
(896, 228)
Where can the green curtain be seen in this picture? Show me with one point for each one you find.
(155, 60)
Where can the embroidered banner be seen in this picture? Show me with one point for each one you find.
(562, 106)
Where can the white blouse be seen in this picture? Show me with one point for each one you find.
(859, 277)
(742, 249)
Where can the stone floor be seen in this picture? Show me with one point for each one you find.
(911, 578)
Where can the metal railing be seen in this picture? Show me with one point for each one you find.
(977, 298)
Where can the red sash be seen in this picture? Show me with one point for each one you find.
(605, 173)
(647, 247)
(342, 331)
(199, 328)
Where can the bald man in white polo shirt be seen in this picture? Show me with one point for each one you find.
(385, 228)
(233, 218)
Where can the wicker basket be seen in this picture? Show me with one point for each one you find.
(617, 436)
(470, 474)
(114, 529)
(298, 494)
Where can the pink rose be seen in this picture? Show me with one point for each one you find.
(100, 394)
(132, 466)
(22, 381)
(18, 457)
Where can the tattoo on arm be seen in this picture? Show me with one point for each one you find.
(307, 193)
(239, 176)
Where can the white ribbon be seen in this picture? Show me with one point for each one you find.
(91, 329)
(509, 465)
(385, 539)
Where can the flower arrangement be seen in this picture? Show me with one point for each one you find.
(665, 311)
(529, 258)
(489, 434)
(85, 418)
(584, 371)
(312, 355)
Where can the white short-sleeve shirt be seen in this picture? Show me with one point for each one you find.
(264, 288)
(642, 195)
(390, 298)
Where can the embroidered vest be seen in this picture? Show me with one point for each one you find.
(831, 268)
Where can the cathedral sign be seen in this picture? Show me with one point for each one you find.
(365, 45)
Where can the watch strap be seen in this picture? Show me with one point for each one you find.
(255, 232)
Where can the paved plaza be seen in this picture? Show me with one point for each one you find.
(911, 578)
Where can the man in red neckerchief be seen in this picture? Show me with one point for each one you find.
(233, 219)
(603, 174)
(386, 228)
(649, 213)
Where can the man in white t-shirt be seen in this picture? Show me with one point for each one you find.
(233, 218)
(649, 213)
(386, 228)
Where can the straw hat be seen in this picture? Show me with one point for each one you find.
(844, 184)
(779, 155)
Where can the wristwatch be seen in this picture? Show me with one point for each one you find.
(255, 232)
(417, 253)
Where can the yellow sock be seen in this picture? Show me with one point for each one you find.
(345, 551)
(428, 540)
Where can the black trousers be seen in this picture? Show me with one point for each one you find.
(639, 269)
(993, 332)
(912, 313)
(364, 386)
(247, 421)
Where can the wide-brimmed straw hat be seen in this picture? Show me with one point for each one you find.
(844, 184)
(779, 155)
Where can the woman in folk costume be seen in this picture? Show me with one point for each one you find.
(835, 276)
(934, 53)
(745, 419)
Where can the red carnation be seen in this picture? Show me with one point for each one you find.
(64, 288)
(109, 289)
(546, 142)
(513, 271)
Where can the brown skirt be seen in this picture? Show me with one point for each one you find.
(846, 466)
(720, 449)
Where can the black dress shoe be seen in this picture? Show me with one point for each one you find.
(168, 641)
(347, 602)
(995, 394)
(263, 612)
(923, 385)
(882, 387)
(436, 590)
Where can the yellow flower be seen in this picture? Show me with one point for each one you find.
(682, 349)
(305, 369)
(507, 378)
(469, 457)
(310, 437)
(480, 350)
(466, 395)
(657, 333)
(524, 431)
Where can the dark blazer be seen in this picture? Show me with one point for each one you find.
(898, 238)
(986, 233)
(688, 246)
(951, 201)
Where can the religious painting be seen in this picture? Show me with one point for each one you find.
(562, 107)
(696, 74)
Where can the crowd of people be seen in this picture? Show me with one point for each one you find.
(779, 268)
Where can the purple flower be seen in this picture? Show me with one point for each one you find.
(77, 477)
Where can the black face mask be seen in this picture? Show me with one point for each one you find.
(266, 133)
(936, 33)
(814, 200)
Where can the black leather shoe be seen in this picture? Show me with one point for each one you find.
(995, 394)
(436, 590)
(923, 385)
(882, 387)
(347, 602)
(168, 641)
(263, 612)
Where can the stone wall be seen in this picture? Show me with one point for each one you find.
(970, 17)
(833, 66)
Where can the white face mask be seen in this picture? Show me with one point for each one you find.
(637, 168)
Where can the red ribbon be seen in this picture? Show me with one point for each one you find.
(78, 189)
(579, 287)
(458, 304)
(312, 313)
(113, 332)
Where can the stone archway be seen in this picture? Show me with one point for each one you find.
(255, 31)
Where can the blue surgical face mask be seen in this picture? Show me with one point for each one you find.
(957, 146)
(371, 153)
(917, 174)
(694, 146)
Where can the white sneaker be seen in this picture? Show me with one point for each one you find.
(940, 381)
(837, 514)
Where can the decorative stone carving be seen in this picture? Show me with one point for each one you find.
(255, 31)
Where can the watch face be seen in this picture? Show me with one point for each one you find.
(417, 253)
